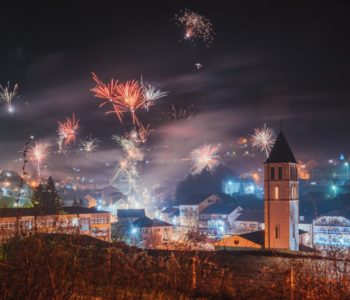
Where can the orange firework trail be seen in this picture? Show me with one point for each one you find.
(130, 96)
(144, 133)
(108, 92)
(67, 130)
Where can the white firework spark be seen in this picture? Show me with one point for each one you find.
(263, 139)
(38, 154)
(89, 145)
(151, 94)
(205, 158)
(7, 96)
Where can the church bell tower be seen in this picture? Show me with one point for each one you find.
(281, 201)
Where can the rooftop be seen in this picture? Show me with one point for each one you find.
(258, 237)
(345, 213)
(147, 222)
(256, 215)
(173, 211)
(131, 213)
(220, 208)
(195, 199)
(70, 210)
(281, 152)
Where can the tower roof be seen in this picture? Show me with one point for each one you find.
(281, 152)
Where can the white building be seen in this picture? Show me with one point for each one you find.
(332, 229)
(192, 207)
(248, 220)
(218, 219)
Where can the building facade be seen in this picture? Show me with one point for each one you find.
(70, 220)
(332, 230)
(217, 220)
(281, 205)
(192, 207)
(151, 234)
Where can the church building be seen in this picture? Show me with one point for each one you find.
(281, 190)
(281, 204)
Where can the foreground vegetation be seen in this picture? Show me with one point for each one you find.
(80, 267)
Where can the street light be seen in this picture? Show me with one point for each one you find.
(334, 188)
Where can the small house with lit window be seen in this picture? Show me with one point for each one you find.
(151, 233)
(192, 207)
(218, 219)
(249, 220)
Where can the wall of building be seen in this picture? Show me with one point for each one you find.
(95, 225)
(236, 242)
(281, 207)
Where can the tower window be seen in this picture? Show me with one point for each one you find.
(277, 232)
(277, 192)
(272, 173)
(280, 171)
(293, 231)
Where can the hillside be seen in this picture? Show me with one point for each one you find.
(76, 267)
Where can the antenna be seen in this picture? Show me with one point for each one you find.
(281, 125)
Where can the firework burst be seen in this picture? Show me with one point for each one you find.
(89, 145)
(38, 154)
(127, 171)
(67, 130)
(143, 133)
(130, 148)
(151, 94)
(196, 27)
(133, 135)
(205, 158)
(130, 96)
(8, 96)
(263, 139)
(108, 92)
(175, 113)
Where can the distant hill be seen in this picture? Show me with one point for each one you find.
(205, 182)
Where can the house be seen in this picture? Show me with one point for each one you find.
(151, 233)
(332, 229)
(248, 220)
(191, 208)
(112, 197)
(170, 215)
(250, 240)
(218, 218)
(129, 216)
(70, 220)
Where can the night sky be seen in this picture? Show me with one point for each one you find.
(267, 62)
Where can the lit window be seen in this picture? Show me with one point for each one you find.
(277, 192)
